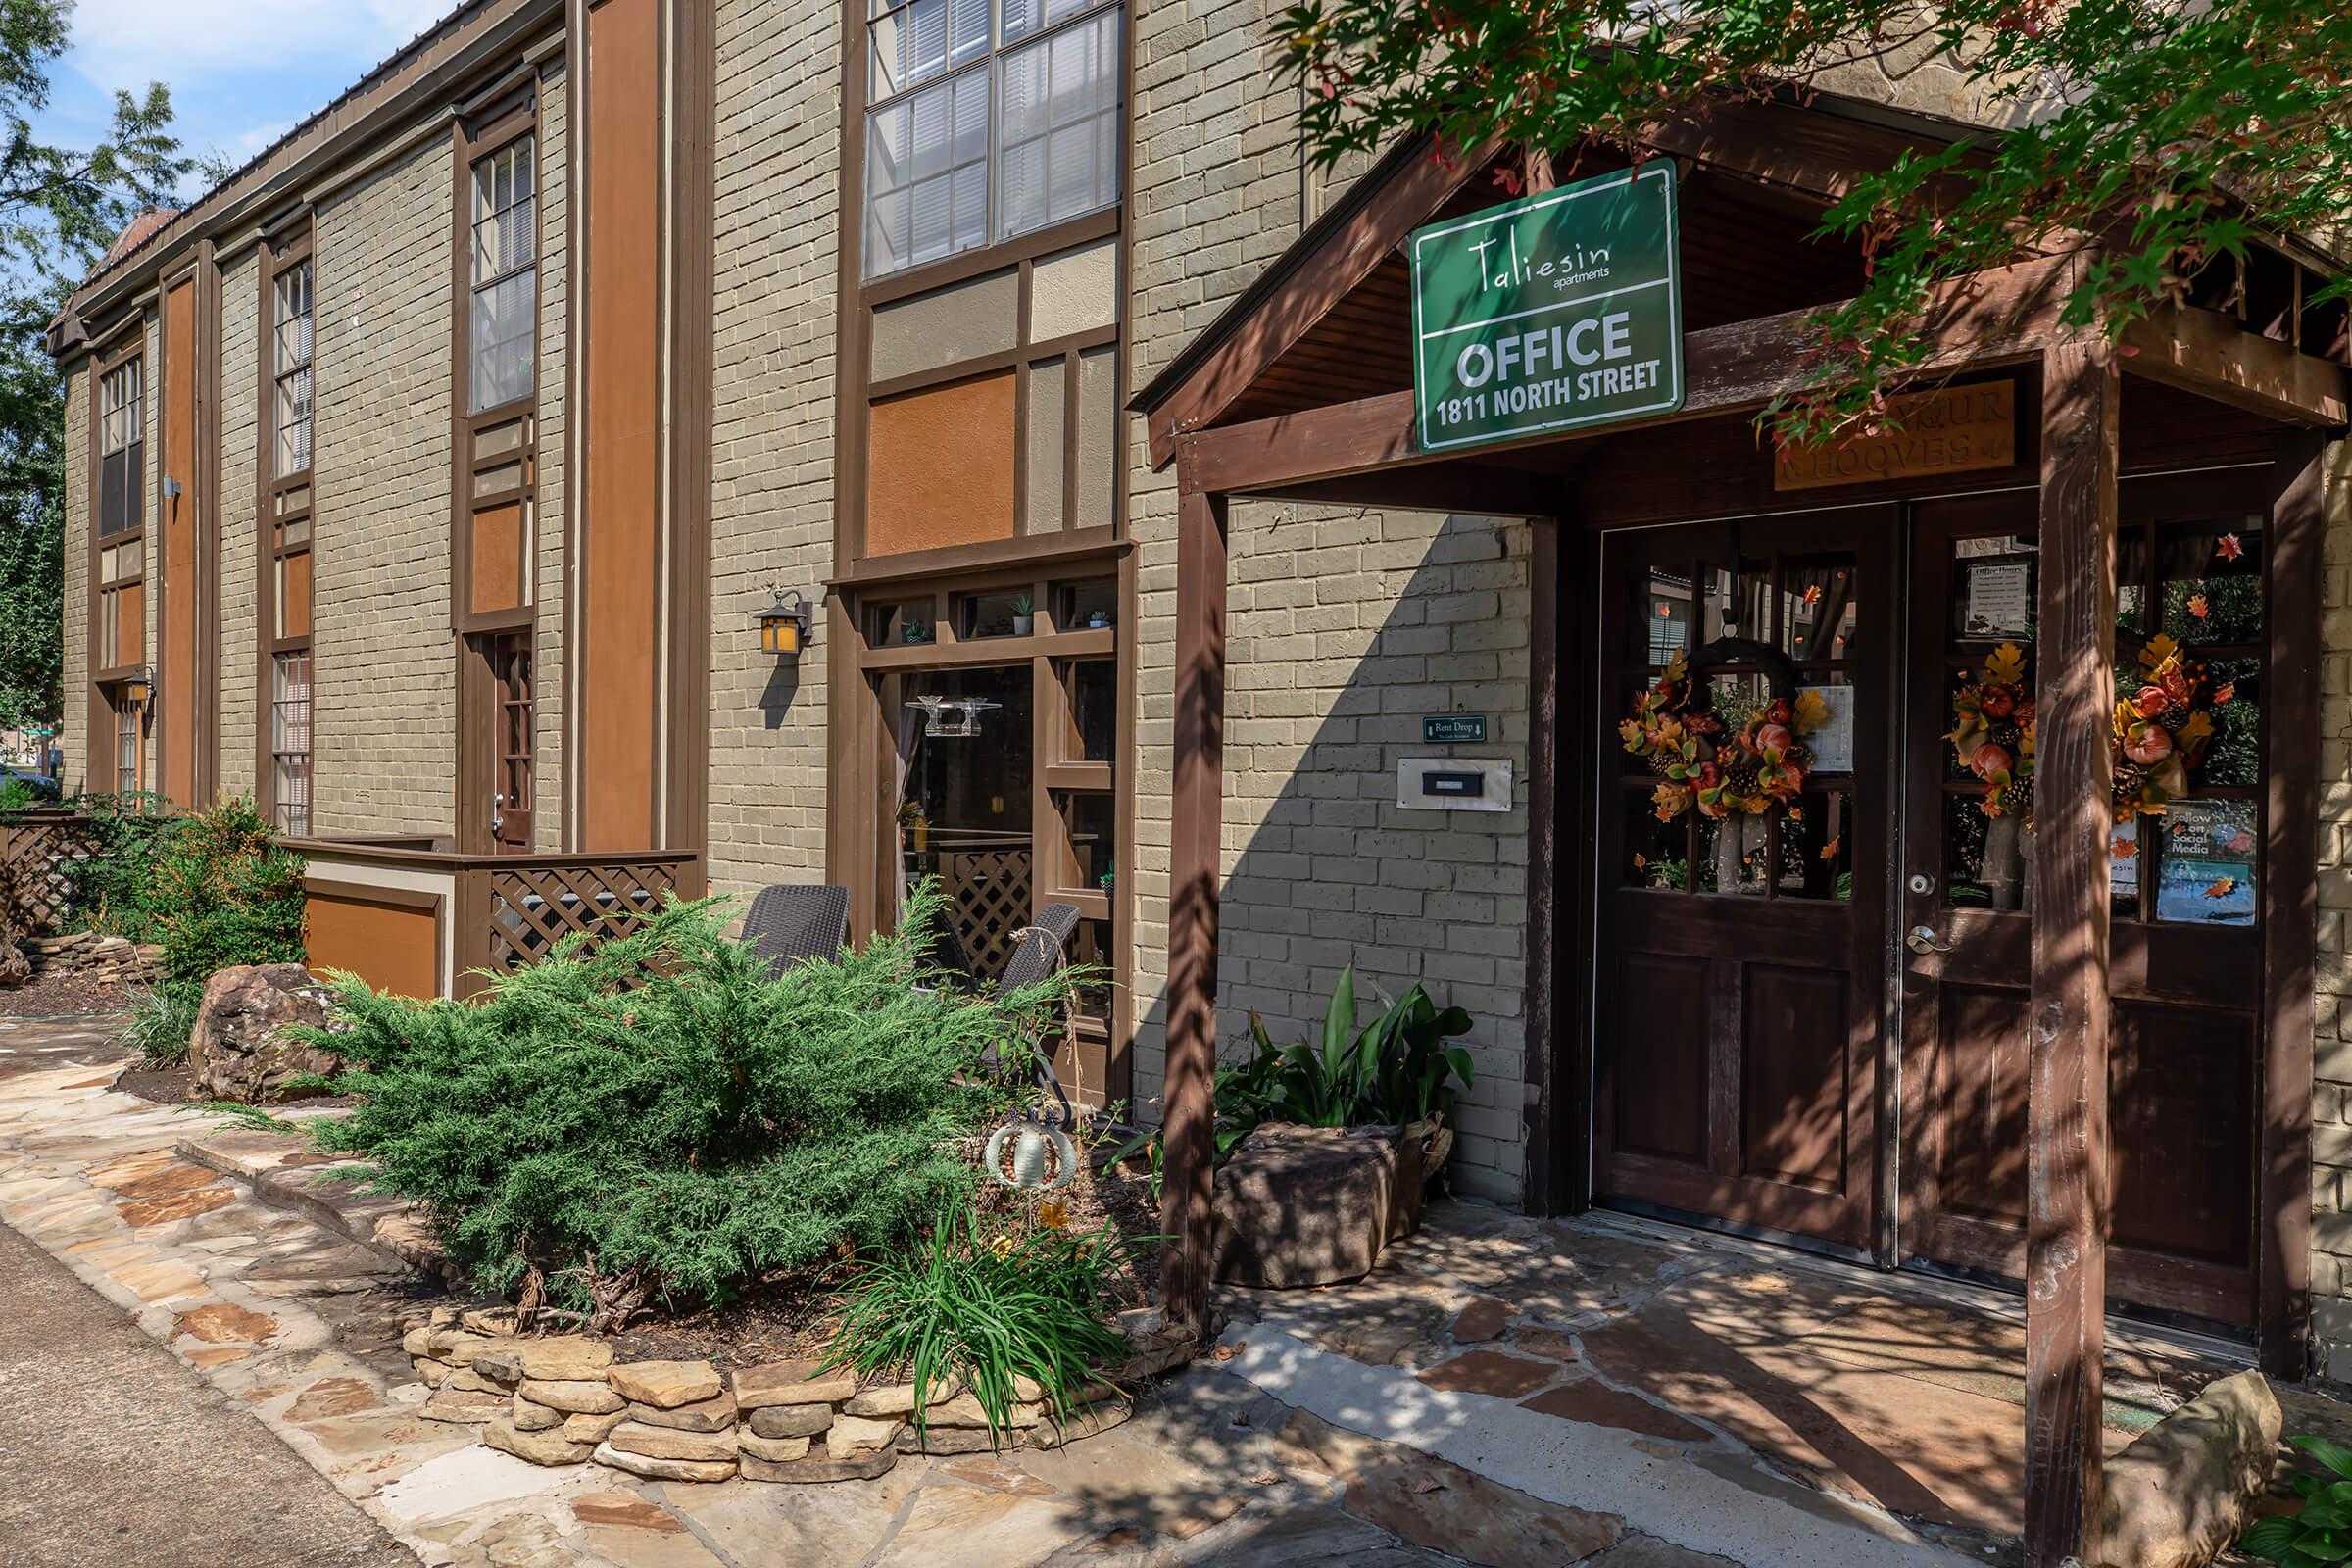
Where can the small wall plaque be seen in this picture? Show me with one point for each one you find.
(1454, 729)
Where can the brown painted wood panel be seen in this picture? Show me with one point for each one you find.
(1657, 1093)
(497, 559)
(179, 680)
(393, 947)
(294, 601)
(622, 456)
(1794, 1083)
(940, 468)
(130, 625)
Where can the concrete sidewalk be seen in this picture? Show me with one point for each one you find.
(112, 1450)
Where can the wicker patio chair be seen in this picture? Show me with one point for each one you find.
(794, 923)
(1041, 951)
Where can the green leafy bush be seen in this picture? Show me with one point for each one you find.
(968, 1306)
(2318, 1533)
(225, 892)
(112, 891)
(661, 1117)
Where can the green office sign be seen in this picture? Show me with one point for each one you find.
(1554, 311)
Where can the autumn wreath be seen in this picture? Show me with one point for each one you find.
(2162, 729)
(1992, 733)
(1723, 765)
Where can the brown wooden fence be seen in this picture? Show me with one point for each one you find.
(35, 848)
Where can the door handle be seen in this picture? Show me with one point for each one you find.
(1923, 940)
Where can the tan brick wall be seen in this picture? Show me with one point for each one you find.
(1345, 628)
(240, 550)
(554, 213)
(383, 750)
(2332, 1057)
(73, 730)
(777, 156)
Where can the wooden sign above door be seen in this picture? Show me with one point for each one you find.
(1953, 429)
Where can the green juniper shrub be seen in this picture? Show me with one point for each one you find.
(982, 1306)
(659, 1116)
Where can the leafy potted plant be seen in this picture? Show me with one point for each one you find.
(1109, 879)
(914, 631)
(1097, 620)
(1024, 616)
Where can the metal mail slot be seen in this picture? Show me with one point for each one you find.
(1461, 785)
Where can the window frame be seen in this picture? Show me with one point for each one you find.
(506, 134)
(857, 144)
(283, 813)
(285, 520)
(132, 366)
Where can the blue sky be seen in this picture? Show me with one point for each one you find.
(242, 72)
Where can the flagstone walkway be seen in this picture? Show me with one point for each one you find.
(1502, 1391)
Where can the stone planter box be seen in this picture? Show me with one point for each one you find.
(562, 1400)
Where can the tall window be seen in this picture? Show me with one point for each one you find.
(293, 368)
(121, 449)
(290, 741)
(287, 542)
(986, 123)
(505, 276)
(127, 745)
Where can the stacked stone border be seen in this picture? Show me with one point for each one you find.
(563, 1400)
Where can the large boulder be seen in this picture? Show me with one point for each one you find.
(2182, 1490)
(1312, 1205)
(239, 1049)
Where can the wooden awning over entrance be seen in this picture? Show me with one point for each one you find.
(1303, 392)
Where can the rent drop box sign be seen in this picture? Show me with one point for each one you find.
(1554, 311)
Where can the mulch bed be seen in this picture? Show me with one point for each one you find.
(63, 994)
(792, 1319)
(163, 1085)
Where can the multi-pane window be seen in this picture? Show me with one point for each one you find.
(505, 276)
(292, 368)
(127, 745)
(290, 741)
(984, 126)
(121, 449)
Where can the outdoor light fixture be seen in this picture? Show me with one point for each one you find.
(784, 625)
(140, 687)
(951, 716)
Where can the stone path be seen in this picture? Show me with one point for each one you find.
(299, 1324)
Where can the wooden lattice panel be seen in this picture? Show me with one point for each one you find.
(988, 893)
(534, 906)
(35, 853)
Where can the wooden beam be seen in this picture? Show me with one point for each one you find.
(2291, 855)
(1194, 839)
(2067, 1018)
(2210, 353)
(1483, 490)
(1995, 318)
(1317, 282)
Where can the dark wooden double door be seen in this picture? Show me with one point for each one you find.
(1811, 1021)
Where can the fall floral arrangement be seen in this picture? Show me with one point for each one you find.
(1992, 733)
(2162, 729)
(1720, 765)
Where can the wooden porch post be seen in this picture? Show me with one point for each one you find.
(2066, 1122)
(1195, 838)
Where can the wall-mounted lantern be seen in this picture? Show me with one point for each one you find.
(784, 625)
(139, 689)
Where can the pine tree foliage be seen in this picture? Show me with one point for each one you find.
(660, 1115)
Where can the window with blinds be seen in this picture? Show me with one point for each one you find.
(292, 368)
(986, 123)
(121, 449)
(505, 276)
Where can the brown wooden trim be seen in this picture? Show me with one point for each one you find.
(1992, 319)
(292, 243)
(177, 653)
(983, 260)
(2209, 354)
(693, 265)
(209, 753)
(1196, 810)
(1545, 1062)
(2067, 1147)
(1055, 551)
(2290, 900)
(325, 884)
(98, 709)
(1361, 243)
(949, 654)
(1018, 358)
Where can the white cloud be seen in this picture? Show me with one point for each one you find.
(128, 43)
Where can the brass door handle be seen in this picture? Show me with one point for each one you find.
(1923, 940)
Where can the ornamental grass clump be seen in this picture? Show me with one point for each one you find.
(659, 1117)
(982, 1306)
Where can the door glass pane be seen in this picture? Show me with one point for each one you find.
(2212, 582)
(1094, 706)
(964, 742)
